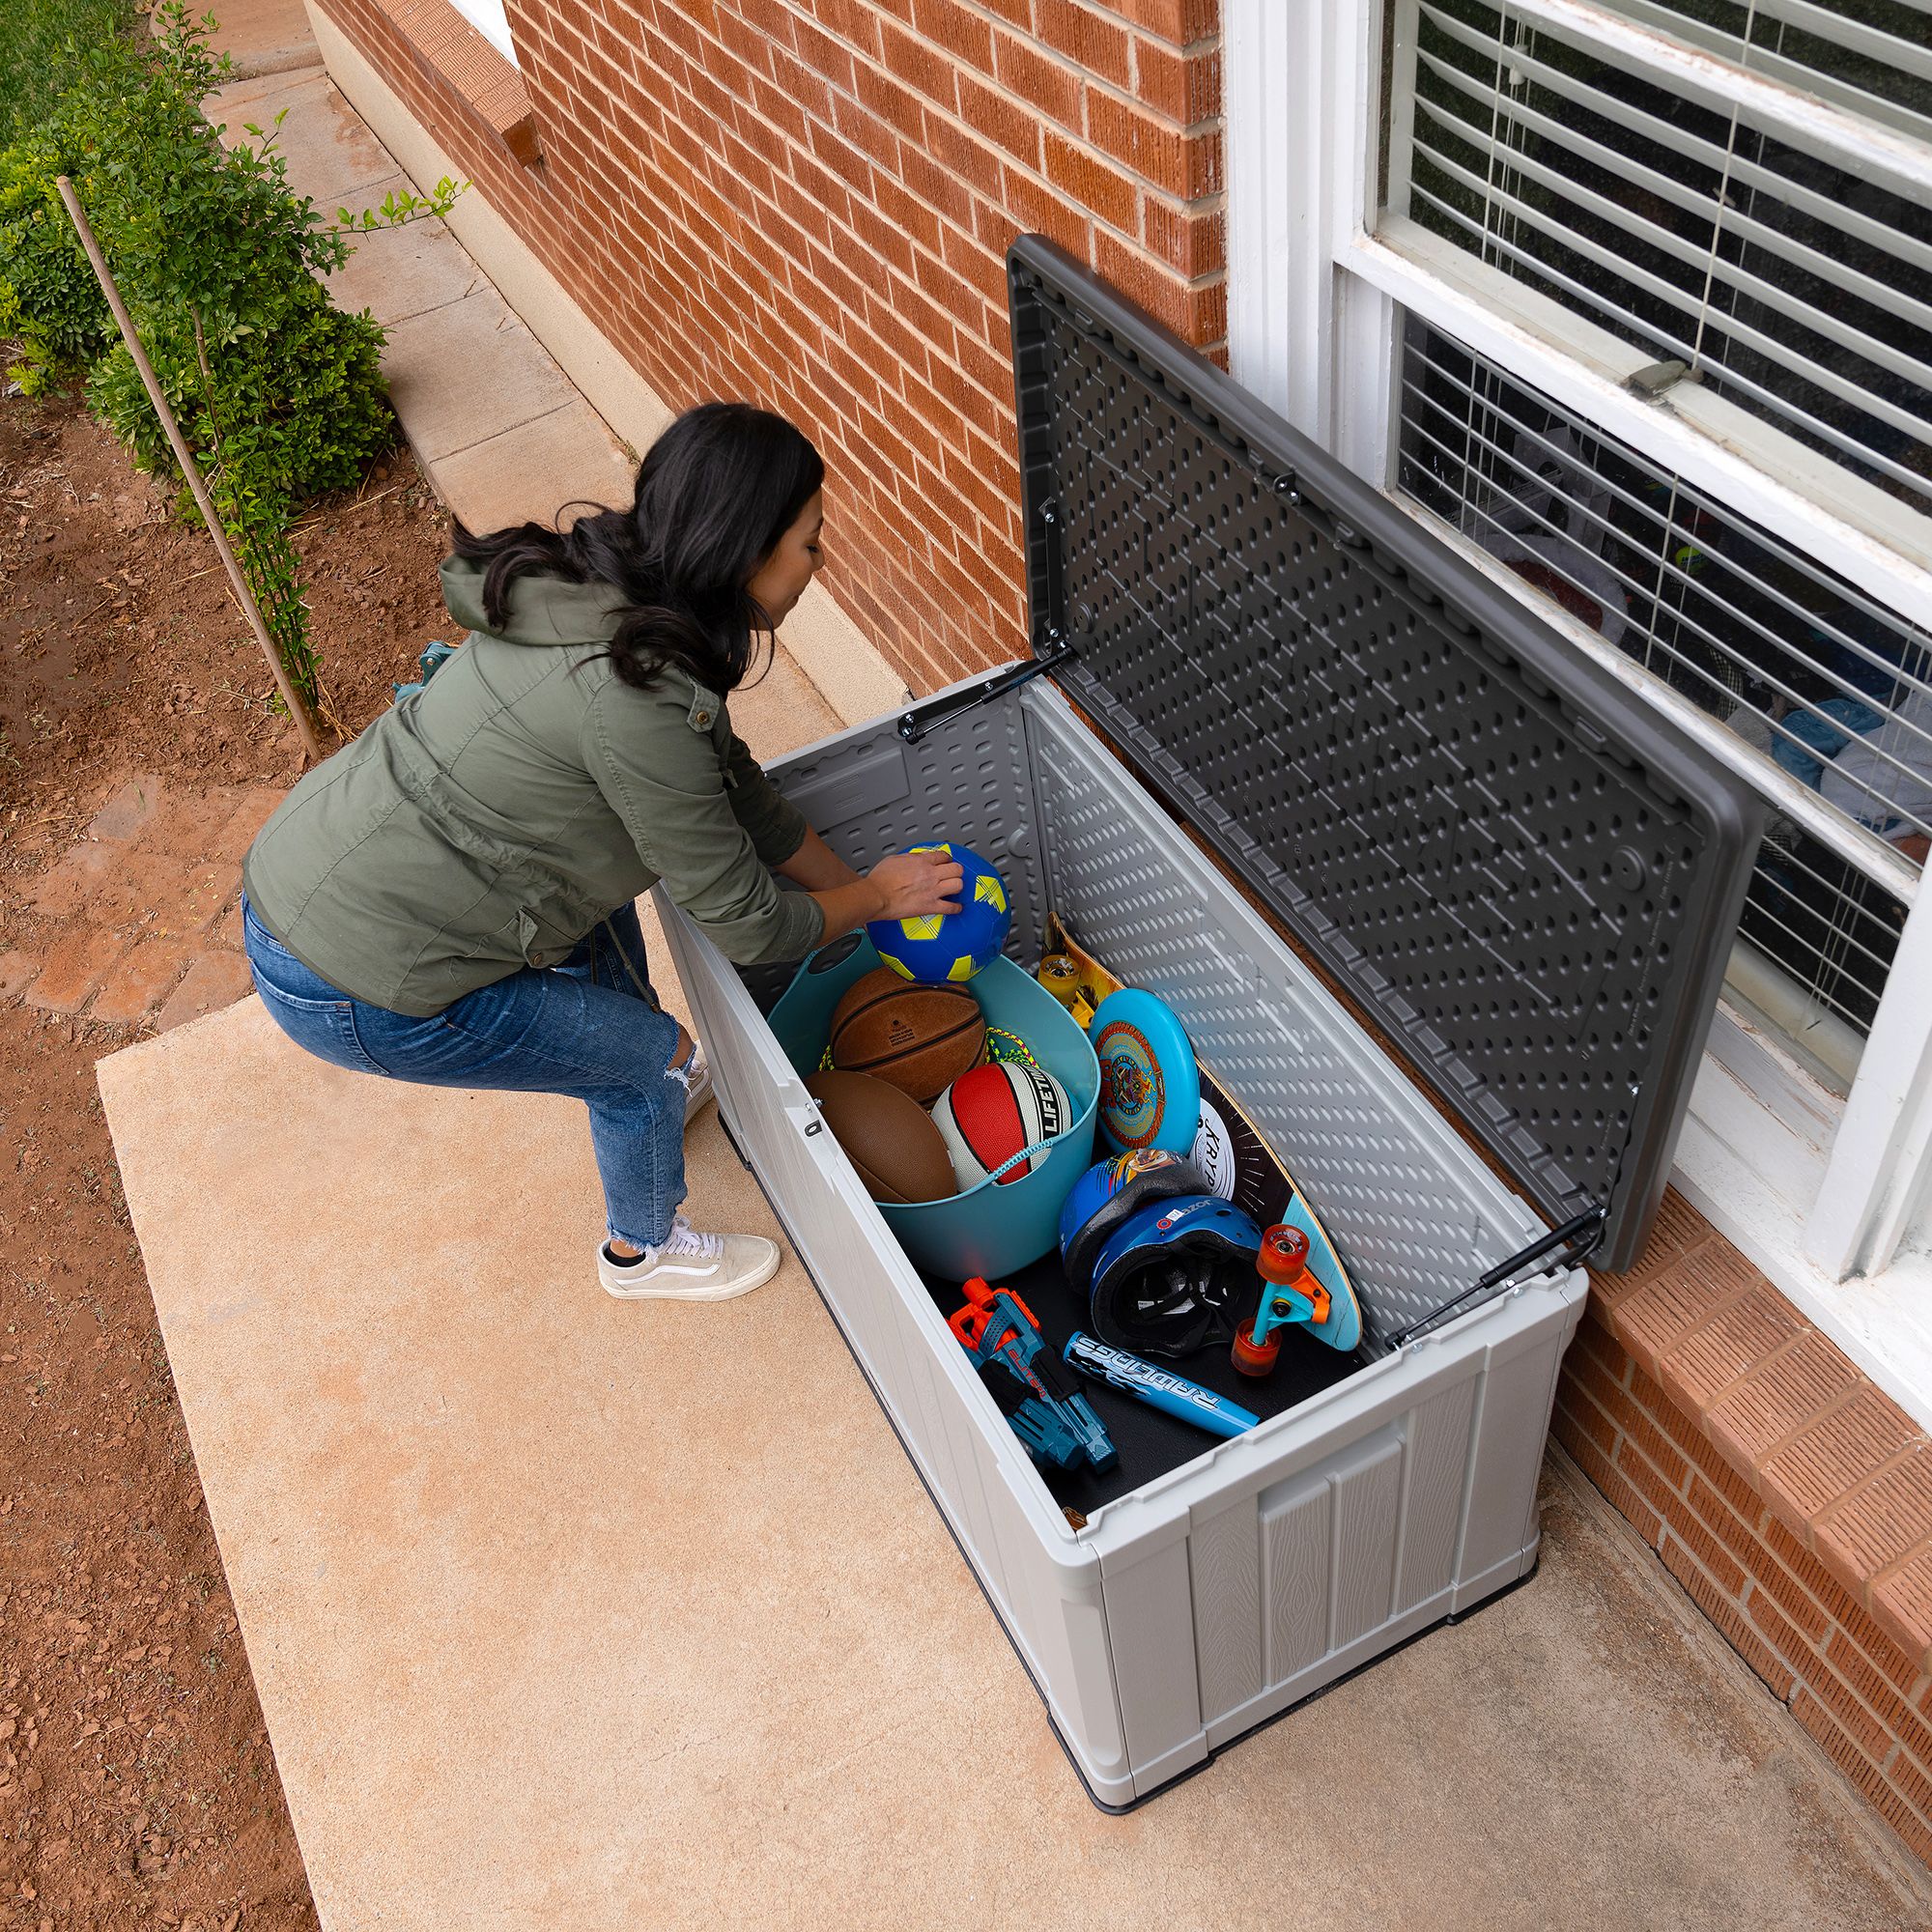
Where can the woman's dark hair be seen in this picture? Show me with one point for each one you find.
(715, 494)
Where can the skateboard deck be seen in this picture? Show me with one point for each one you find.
(1238, 1160)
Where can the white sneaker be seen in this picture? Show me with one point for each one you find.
(696, 1078)
(697, 1088)
(688, 1267)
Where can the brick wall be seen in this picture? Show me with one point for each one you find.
(1825, 1605)
(807, 202)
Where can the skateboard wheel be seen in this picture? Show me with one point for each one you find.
(1251, 1357)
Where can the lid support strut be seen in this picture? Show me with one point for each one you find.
(914, 725)
(1583, 1236)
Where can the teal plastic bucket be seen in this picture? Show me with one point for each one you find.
(998, 1227)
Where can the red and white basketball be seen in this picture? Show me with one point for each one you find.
(994, 1112)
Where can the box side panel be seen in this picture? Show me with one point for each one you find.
(1043, 1584)
(1406, 1503)
(869, 793)
(1416, 1217)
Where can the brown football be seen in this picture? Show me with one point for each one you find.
(888, 1136)
(922, 1038)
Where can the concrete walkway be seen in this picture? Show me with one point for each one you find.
(498, 429)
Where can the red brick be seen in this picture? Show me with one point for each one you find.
(1784, 1637)
(1001, 119)
(1585, 1416)
(1869, 1682)
(1042, 79)
(144, 979)
(1880, 1523)
(1625, 1499)
(1819, 1465)
(1780, 1397)
(74, 968)
(961, 32)
(131, 809)
(1901, 1602)
(1841, 1748)
(1190, 243)
(1093, 183)
(1184, 87)
(1653, 1321)
(1702, 1364)
(1153, 149)
(921, 66)
(1100, 45)
(1677, 1230)
(1776, 1583)
(214, 979)
(1732, 1531)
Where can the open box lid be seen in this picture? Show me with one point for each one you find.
(1519, 869)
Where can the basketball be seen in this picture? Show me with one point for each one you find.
(920, 1037)
(946, 947)
(995, 1112)
(888, 1136)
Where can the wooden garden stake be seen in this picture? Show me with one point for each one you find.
(298, 709)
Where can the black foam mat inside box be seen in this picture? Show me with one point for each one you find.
(1150, 1441)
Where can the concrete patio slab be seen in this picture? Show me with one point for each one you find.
(466, 372)
(399, 272)
(534, 470)
(574, 1613)
(331, 156)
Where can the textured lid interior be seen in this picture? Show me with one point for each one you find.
(1517, 868)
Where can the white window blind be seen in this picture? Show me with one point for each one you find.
(1735, 250)
(1829, 685)
(1871, 56)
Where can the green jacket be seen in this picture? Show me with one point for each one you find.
(490, 821)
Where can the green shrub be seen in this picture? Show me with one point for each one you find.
(277, 393)
(50, 301)
(42, 38)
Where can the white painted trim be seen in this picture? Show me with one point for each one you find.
(1585, 377)
(1881, 1157)
(1280, 273)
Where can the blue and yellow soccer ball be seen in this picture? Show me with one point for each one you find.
(953, 945)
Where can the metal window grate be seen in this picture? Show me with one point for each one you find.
(1797, 291)
(1834, 689)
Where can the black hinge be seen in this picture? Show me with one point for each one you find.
(1583, 1236)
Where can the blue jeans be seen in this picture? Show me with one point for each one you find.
(585, 1028)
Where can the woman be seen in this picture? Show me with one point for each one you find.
(449, 900)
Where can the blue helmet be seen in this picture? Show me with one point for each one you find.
(1108, 1193)
(1175, 1275)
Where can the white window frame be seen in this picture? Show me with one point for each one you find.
(1832, 1198)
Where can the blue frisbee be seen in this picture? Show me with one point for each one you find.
(1149, 1086)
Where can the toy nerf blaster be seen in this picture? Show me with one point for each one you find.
(1290, 1294)
(1158, 1388)
(1055, 1421)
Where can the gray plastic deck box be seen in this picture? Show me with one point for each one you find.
(1297, 713)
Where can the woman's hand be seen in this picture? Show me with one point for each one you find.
(912, 884)
(906, 886)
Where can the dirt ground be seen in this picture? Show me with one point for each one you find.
(137, 1785)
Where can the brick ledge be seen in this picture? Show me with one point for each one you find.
(452, 51)
(1841, 1466)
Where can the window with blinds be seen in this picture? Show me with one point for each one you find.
(1826, 684)
(1747, 254)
